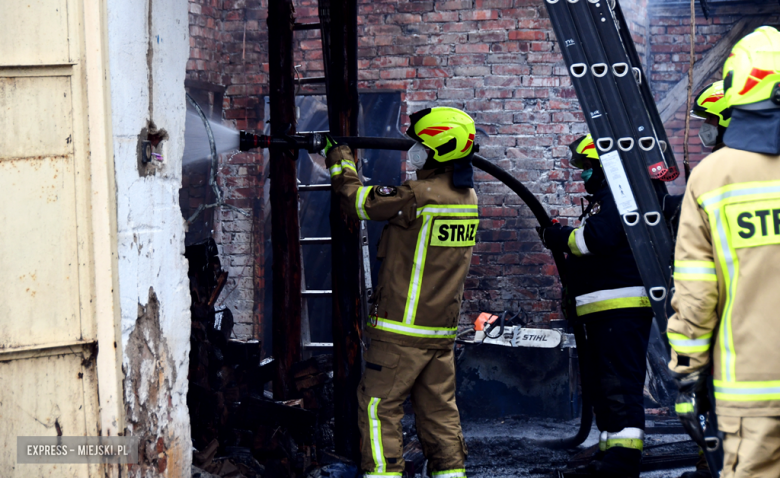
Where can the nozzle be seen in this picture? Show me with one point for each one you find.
(247, 141)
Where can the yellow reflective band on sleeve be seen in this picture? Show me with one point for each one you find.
(339, 167)
(623, 298)
(454, 232)
(449, 210)
(747, 391)
(576, 242)
(360, 202)
(413, 330)
(460, 473)
(377, 475)
(695, 271)
(375, 435)
(683, 345)
(682, 408)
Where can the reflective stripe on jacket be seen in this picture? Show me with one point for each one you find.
(726, 275)
(623, 298)
(425, 250)
(602, 271)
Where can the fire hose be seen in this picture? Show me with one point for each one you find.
(314, 142)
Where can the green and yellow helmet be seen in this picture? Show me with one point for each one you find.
(751, 74)
(712, 101)
(449, 132)
(583, 148)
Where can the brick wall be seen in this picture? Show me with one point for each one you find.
(495, 59)
(227, 47)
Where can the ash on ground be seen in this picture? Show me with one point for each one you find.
(500, 448)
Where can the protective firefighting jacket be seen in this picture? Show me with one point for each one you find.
(726, 276)
(603, 273)
(425, 250)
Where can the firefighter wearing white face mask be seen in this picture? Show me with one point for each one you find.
(711, 106)
(426, 252)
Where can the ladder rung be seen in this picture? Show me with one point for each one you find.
(311, 80)
(315, 240)
(314, 187)
(306, 26)
(316, 293)
(318, 345)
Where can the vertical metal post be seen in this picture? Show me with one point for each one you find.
(285, 233)
(338, 20)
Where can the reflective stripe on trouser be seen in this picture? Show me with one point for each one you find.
(751, 447)
(393, 372)
(461, 473)
(627, 438)
(623, 298)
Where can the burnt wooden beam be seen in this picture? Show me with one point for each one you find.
(711, 62)
(285, 232)
(338, 22)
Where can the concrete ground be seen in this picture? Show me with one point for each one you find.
(501, 448)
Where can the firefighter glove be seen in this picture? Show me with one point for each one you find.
(329, 144)
(554, 237)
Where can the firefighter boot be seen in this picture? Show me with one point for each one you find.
(620, 457)
(702, 469)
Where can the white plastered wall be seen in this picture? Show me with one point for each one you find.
(148, 51)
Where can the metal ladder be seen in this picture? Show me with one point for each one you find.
(366, 285)
(626, 128)
(367, 288)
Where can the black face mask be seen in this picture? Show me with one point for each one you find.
(596, 181)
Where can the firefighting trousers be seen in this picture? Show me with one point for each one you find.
(751, 447)
(393, 372)
(617, 365)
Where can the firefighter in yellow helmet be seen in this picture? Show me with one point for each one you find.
(426, 252)
(726, 269)
(710, 105)
(605, 293)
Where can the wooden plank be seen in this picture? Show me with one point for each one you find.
(711, 62)
(338, 19)
(285, 231)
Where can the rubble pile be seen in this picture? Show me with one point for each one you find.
(238, 429)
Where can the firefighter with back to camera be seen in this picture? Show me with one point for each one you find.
(611, 302)
(726, 268)
(710, 106)
(426, 251)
